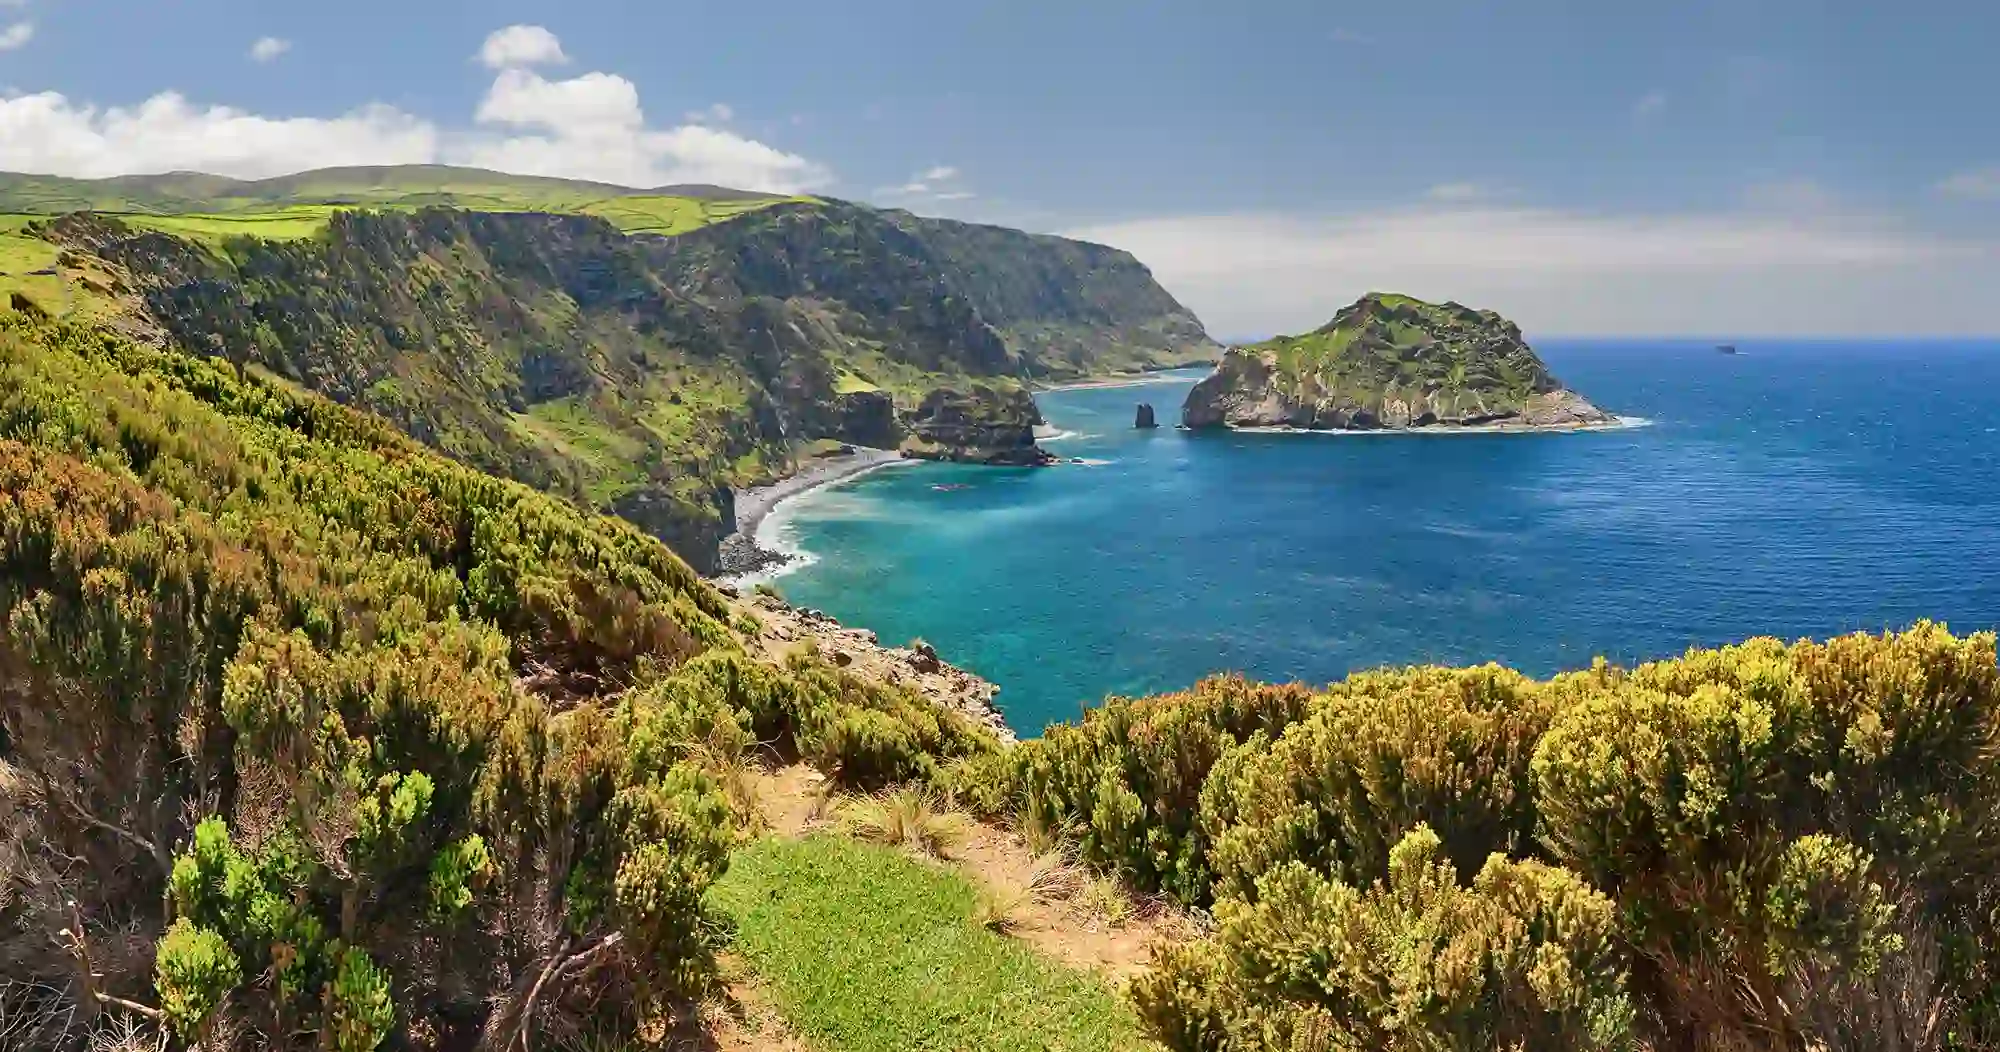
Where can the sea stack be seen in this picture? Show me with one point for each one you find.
(1388, 363)
(1145, 420)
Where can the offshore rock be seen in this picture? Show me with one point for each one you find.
(1145, 418)
(1391, 362)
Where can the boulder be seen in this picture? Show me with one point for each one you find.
(1145, 419)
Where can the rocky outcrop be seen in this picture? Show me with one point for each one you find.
(784, 629)
(867, 418)
(1145, 419)
(979, 425)
(1391, 362)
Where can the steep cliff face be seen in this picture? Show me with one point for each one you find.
(1391, 362)
(1066, 308)
(979, 425)
(642, 375)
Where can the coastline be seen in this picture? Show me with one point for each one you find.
(1620, 423)
(1147, 379)
(747, 554)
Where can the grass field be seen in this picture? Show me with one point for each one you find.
(866, 949)
(28, 265)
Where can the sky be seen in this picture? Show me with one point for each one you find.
(1729, 168)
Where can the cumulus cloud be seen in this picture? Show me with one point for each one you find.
(1744, 271)
(47, 132)
(593, 127)
(937, 183)
(589, 127)
(269, 49)
(520, 47)
(1979, 184)
(16, 35)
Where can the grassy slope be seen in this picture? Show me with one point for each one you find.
(869, 950)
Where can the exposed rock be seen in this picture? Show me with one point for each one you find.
(1391, 362)
(1145, 420)
(785, 629)
(983, 424)
(867, 418)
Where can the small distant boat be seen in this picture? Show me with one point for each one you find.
(1726, 348)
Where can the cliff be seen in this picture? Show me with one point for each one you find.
(1391, 362)
(646, 375)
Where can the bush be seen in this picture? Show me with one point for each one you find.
(1526, 957)
(1382, 753)
(1127, 779)
(1772, 845)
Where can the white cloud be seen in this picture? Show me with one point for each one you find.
(593, 127)
(1979, 184)
(1747, 272)
(588, 127)
(1650, 104)
(269, 49)
(49, 133)
(719, 113)
(520, 47)
(16, 35)
(936, 183)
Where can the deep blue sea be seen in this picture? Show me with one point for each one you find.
(1795, 489)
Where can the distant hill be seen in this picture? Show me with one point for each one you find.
(184, 193)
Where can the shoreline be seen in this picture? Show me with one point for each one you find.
(746, 553)
(1160, 376)
(1623, 423)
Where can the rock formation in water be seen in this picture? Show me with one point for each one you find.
(1145, 418)
(1391, 362)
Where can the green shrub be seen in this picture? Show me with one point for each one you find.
(1382, 753)
(1525, 957)
(1128, 777)
(196, 973)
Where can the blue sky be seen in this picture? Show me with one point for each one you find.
(1729, 167)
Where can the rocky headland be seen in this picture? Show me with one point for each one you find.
(1391, 362)
(785, 630)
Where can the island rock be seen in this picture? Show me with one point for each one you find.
(1391, 362)
(1145, 419)
(979, 424)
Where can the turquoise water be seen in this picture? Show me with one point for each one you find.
(1796, 489)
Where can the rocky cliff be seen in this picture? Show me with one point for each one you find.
(1391, 362)
(979, 425)
(647, 375)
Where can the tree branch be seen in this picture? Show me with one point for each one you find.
(152, 849)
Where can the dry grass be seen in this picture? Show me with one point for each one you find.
(912, 819)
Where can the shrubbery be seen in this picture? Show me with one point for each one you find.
(1762, 846)
(331, 739)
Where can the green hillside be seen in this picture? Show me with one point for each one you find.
(641, 374)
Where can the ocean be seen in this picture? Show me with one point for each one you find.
(1794, 489)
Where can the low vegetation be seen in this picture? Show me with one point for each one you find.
(868, 949)
(1765, 846)
(312, 738)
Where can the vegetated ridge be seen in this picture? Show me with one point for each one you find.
(642, 374)
(1391, 362)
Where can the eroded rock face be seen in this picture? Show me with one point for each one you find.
(1391, 362)
(1145, 419)
(784, 628)
(978, 425)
